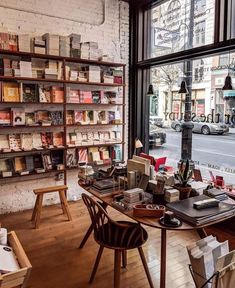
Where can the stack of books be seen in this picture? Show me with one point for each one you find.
(52, 44)
(26, 69)
(39, 45)
(75, 47)
(94, 51)
(51, 70)
(94, 74)
(64, 46)
(85, 50)
(134, 195)
(185, 210)
(24, 43)
(7, 68)
(82, 76)
(4, 41)
(216, 193)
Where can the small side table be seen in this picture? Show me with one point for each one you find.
(38, 204)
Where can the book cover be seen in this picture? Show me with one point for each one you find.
(82, 155)
(102, 117)
(27, 141)
(111, 116)
(58, 139)
(42, 116)
(57, 94)
(96, 97)
(30, 119)
(4, 143)
(37, 141)
(29, 92)
(57, 157)
(11, 92)
(72, 138)
(71, 158)
(19, 164)
(15, 141)
(44, 94)
(5, 117)
(29, 159)
(6, 164)
(79, 117)
(69, 117)
(18, 116)
(86, 97)
(90, 116)
(73, 96)
(47, 139)
(47, 162)
(56, 117)
(37, 161)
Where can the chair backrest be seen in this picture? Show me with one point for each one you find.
(160, 163)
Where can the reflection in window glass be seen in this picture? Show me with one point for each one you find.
(213, 114)
(180, 25)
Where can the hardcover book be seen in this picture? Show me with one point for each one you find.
(70, 117)
(19, 164)
(5, 117)
(10, 92)
(47, 163)
(42, 116)
(29, 159)
(71, 158)
(18, 116)
(27, 141)
(56, 117)
(4, 143)
(82, 155)
(73, 96)
(29, 92)
(58, 139)
(30, 119)
(47, 139)
(44, 94)
(102, 117)
(57, 157)
(57, 94)
(86, 97)
(15, 142)
(79, 117)
(37, 141)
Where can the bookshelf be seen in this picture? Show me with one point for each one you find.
(115, 127)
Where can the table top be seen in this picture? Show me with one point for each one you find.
(149, 221)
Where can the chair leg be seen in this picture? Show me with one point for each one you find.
(117, 268)
(87, 235)
(124, 258)
(141, 252)
(97, 261)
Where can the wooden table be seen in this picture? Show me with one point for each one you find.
(107, 200)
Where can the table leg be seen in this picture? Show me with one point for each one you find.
(202, 233)
(163, 259)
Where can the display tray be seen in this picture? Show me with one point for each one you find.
(148, 210)
(19, 277)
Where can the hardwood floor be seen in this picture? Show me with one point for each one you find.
(58, 263)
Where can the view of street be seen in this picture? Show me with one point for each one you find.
(210, 152)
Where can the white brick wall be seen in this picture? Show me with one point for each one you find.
(104, 21)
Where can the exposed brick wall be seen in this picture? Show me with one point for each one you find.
(104, 21)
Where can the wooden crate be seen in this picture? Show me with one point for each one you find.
(18, 278)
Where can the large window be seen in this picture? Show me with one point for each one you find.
(178, 25)
(213, 114)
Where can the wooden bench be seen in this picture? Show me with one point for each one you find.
(38, 204)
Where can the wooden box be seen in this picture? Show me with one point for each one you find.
(148, 210)
(19, 277)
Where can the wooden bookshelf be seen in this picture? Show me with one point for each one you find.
(64, 107)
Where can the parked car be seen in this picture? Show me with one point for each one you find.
(157, 136)
(205, 128)
(156, 120)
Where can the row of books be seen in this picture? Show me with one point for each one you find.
(92, 117)
(18, 117)
(93, 138)
(51, 44)
(41, 93)
(94, 74)
(24, 165)
(35, 68)
(99, 156)
(34, 93)
(30, 141)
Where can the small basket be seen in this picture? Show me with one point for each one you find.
(19, 277)
(148, 210)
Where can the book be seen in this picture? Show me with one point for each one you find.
(42, 116)
(10, 92)
(26, 69)
(69, 117)
(57, 157)
(37, 141)
(90, 117)
(58, 139)
(29, 92)
(102, 117)
(96, 97)
(6, 164)
(15, 142)
(4, 143)
(29, 159)
(73, 96)
(37, 161)
(71, 158)
(19, 164)
(18, 116)
(30, 119)
(47, 139)
(82, 155)
(47, 162)
(86, 97)
(5, 117)
(56, 117)
(27, 141)
(44, 94)
(79, 117)
(57, 94)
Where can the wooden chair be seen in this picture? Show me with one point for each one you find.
(119, 236)
(38, 204)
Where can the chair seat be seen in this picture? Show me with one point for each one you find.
(129, 236)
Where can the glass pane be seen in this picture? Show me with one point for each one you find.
(213, 114)
(178, 25)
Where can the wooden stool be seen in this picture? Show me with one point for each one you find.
(38, 204)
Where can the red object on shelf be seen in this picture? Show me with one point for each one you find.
(160, 162)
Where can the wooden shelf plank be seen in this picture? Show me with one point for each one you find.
(60, 58)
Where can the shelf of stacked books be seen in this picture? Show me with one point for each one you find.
(62, 104)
